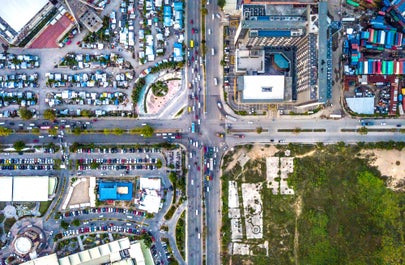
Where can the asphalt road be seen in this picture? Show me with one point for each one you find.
(193, 71)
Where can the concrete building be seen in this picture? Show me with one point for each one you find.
(118, 252)
(91, 21)
(18, 17)
(257, 89)
(26, 188)
(149, 198)
(117, 191)
(294, 30)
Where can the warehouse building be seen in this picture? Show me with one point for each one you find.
(19, 17)
(26, 188)
(116, 191)
(119, 252)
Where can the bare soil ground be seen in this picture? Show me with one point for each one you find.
(257, 152)
(80, 193)
(390, 163)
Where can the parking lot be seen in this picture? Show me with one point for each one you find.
(27, 163)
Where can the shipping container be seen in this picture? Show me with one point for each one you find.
(382, 37)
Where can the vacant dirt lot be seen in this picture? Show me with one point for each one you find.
(390, 163)
(80, 193)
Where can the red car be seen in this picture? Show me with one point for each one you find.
(191, 21)
(193, 30)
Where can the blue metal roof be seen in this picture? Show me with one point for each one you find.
(108, 191)
(274, 33)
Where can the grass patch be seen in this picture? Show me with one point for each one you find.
(345, 210)
(159, 88)
(1, 217)
(43, 207)
(8, 224)
(170, 212)
(179, 112)
(181, 234)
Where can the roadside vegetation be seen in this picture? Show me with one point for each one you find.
(341, 213)
(181, 234)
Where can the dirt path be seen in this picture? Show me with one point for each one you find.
(298, 210)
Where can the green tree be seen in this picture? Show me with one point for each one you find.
(94, 165)
(76, 222)
(221, 3)
(107, 131)
(64, 224)
(25, 113)
(159, 163)
(147, 239)
(259, 130)
(363, 130)
(35, 130)
(19, 145)
(77, 131)
(53, 131)
(86, 113)
(50, 114)
(118, 131)
(147, 131)
(5, 131)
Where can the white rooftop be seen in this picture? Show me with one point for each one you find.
(263, 87)
(135, 252)
(17, 13)
(6, 189)
(150, 202)
(30, 189)
(361, 105)
(149, 183)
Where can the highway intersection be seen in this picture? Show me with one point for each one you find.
(203, 197)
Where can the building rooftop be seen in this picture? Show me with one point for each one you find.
(262, 88)
(17, 13)
(150, 183)
(249, 60)
(21, 189)
(6, 189)
(361, 105)
(92, 21)
(121, 191)
(109, 253)
(323, 52)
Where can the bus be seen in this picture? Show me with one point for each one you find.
(191, 44)
(193, 127)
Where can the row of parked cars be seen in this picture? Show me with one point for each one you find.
(118, 167)
(103, 210)
(26, 163)
(104, 228)
(115, 150)
(27, 167)
(32, 161)
(121, 161)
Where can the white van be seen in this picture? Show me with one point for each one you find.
(212, 52)
(215, 81)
